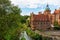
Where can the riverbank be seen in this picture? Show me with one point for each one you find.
(53, 35)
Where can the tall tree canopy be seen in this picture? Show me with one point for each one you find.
(9, 20)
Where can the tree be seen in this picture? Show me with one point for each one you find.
(9, 20)
(4, 5)
(23, 19)
(56, 24)
(23, 38)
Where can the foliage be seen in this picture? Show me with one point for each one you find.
(28, 22)
(34, 35)
(23, 38)
(56, 28)
(47, 38)
(10, 25)
(56, 24)
(23, 19)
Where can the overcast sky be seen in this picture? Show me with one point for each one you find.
(28, 6)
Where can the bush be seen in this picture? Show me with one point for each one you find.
(34, 35)
(56, 28)
(23, 38)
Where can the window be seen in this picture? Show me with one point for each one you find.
(38, 22)
(41, 23)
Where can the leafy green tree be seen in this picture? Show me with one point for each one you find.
(56, 24)
(23, 38)
(24, 18)
(9, 20)
(33, 35)
(3, 6)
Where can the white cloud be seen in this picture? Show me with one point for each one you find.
(35, 3)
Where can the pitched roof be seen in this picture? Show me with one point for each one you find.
(41, 17)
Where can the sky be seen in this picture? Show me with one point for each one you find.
(29, 6)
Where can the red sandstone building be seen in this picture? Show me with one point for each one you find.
(44, 20)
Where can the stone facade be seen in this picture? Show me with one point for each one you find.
(44, 20)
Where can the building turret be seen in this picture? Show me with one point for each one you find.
(47, 10)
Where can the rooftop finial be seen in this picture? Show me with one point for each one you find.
(47, 5)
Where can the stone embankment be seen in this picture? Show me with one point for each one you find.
(53, 35)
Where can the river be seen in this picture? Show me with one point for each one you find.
(24, 34)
